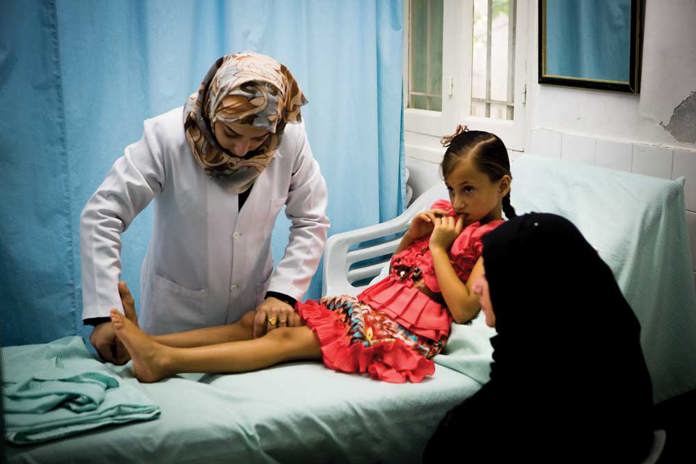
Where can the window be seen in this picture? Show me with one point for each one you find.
(464, 63)
(425, 55)
(493, 63)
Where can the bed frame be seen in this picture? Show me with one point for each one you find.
(303, 412)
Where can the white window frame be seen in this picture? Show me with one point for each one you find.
(424, 128)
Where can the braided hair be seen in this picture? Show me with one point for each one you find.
(487, 152)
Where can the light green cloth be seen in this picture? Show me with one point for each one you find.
(468, 350)
(58, 389)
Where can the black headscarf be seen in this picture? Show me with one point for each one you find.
(550, 289)
(568, 380)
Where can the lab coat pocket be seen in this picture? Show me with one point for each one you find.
(178, 307)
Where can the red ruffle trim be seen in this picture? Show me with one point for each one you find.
(390, 361)
(409, 307)
(464, 252)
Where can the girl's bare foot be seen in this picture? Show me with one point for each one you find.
(148, 356)
(128, 303)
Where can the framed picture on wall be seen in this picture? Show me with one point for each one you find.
(591, 43)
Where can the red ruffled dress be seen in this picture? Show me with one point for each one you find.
(392, 329)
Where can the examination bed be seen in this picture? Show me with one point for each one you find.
(303, 412)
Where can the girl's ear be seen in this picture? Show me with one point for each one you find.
(504, 186)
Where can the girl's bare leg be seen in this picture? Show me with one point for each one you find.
(153, 361)
(240, 330)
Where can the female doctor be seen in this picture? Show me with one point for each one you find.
(219, 169)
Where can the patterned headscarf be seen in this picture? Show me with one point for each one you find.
(276, 99)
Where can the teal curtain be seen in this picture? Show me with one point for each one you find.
(77, 79)
(589, 38)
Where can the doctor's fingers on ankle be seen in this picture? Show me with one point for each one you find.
(112, 351)
(105, 352)
(259, 326)
(121, 355)
(101, 338)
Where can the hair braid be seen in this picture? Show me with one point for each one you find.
(508, 208)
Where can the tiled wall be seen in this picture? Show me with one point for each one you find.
(651, 160)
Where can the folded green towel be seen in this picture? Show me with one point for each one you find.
(58, 389)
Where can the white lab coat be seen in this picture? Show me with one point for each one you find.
(207, 262)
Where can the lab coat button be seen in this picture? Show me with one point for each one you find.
(236, 235)
(234, 287)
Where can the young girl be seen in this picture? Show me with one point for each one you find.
(394, 327)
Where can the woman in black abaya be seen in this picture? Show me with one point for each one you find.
(568, 380)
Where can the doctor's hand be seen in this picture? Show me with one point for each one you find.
(274, 313)
(110, 349)
(103, 337)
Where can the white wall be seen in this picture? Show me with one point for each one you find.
(614, 129)
(668, 79)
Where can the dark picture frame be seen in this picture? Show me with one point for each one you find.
(630, 84)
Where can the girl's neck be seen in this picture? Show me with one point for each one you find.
(497, 213)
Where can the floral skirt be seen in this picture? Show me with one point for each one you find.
(357, 338)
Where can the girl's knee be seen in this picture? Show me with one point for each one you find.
(283, 334)
(296, 342)
(297, 336)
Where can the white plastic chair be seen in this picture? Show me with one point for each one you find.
(348, 271)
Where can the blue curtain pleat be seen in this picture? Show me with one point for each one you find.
(37, 237)
(80, 77)
(390, 101)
